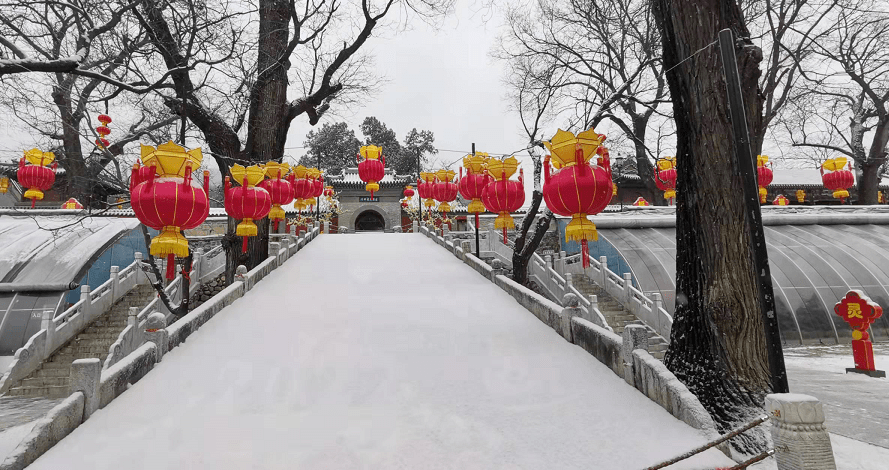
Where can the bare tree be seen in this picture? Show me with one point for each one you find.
(603, 59)
(846, 105)
(57, 105)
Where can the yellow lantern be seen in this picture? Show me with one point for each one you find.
(800, 196)
(4, 185)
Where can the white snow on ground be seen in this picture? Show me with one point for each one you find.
(11, 437)
(359, 354)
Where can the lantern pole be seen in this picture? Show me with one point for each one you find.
(318, 199)
(419, 199)
(477, 255)
(745, 160)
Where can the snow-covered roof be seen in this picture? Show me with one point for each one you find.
(53, 249)
(349, 178)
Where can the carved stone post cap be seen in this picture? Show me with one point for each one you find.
(115, 269)
(155, 321)
(85, 289)
(241, 270)
(794, 408)
(570, 300)
(88, 362)
(496, 264)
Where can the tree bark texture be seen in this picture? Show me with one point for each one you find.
(525, 247)
(718, 345)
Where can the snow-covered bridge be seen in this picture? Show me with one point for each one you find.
(377, 351)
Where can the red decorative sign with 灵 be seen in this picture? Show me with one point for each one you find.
(860, 311)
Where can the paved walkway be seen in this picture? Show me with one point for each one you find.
(377, 351)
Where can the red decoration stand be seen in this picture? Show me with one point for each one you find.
(860, 311)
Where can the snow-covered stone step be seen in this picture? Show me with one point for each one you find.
(48, 392)
(53, 372)
(45, 381)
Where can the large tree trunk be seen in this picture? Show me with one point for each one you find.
(525, 247)
(718, 345)
(77, 180)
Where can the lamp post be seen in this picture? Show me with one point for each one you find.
(419, 199)
(477, 252)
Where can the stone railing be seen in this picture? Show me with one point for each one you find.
(58, 330)
(554, 277)
(94, 387)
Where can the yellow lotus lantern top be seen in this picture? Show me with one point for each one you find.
(254, 174)
(564, 143)
(170, 159)
(300, 171)
(427, 176)
(371, 152)
(444, 175)
(313, 173)
(272, 168)
(502, 169)
(666, 163)
(835, 164)
(39, 158)
(476, 163)
(761, 160)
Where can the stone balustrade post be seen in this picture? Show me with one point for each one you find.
(603, 271)
(87, 313)
(47, 324)
(563, 262)
(634, 337)
(302, 234)
(657, 303)
(415, 227)
(156, 332)
(132, 316)
(241, 273)
(496, 267)
(549, 260)
(594, 304)
(628, 282)
(197, 265)
(492, 238)
(85, 376)
(114, 277)
(569, 282)
(141, 276)
(327, 227)
(798, 433)
(570, 308)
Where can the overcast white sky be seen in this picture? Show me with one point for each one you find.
(443, 81)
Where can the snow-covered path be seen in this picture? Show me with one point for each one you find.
(377, 351)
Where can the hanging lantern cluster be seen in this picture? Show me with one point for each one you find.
(472, 186)
(579, 187)
(4, 185)
(247, 202)
(839, 177)
(408, 194)
(72, 203)
(372, 168)
(317, 187)
(445, 190)
(764, 176)
(280, 189)
(800, 196)
(781, 200)
(164, 197)
(103, 130)
(35, 173)
(502, 195)
(665, 177)
(426, 188)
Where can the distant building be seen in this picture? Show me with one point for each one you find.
(362, 212)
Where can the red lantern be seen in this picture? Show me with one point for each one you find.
(408, 191)
(32, 173)
(164, 197)
(302, 187)
(781, 200)
(472, 186)
(763, 176)
(445, 190)
(372, 168)
(578, 188)
(641, 202)
(103, 130)
(72, 203)
(665, 177)
(280, 189)
(247, 202)
(839, 177)
(502, 195)
(328, 191)
(426, 188)
(317, 190)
